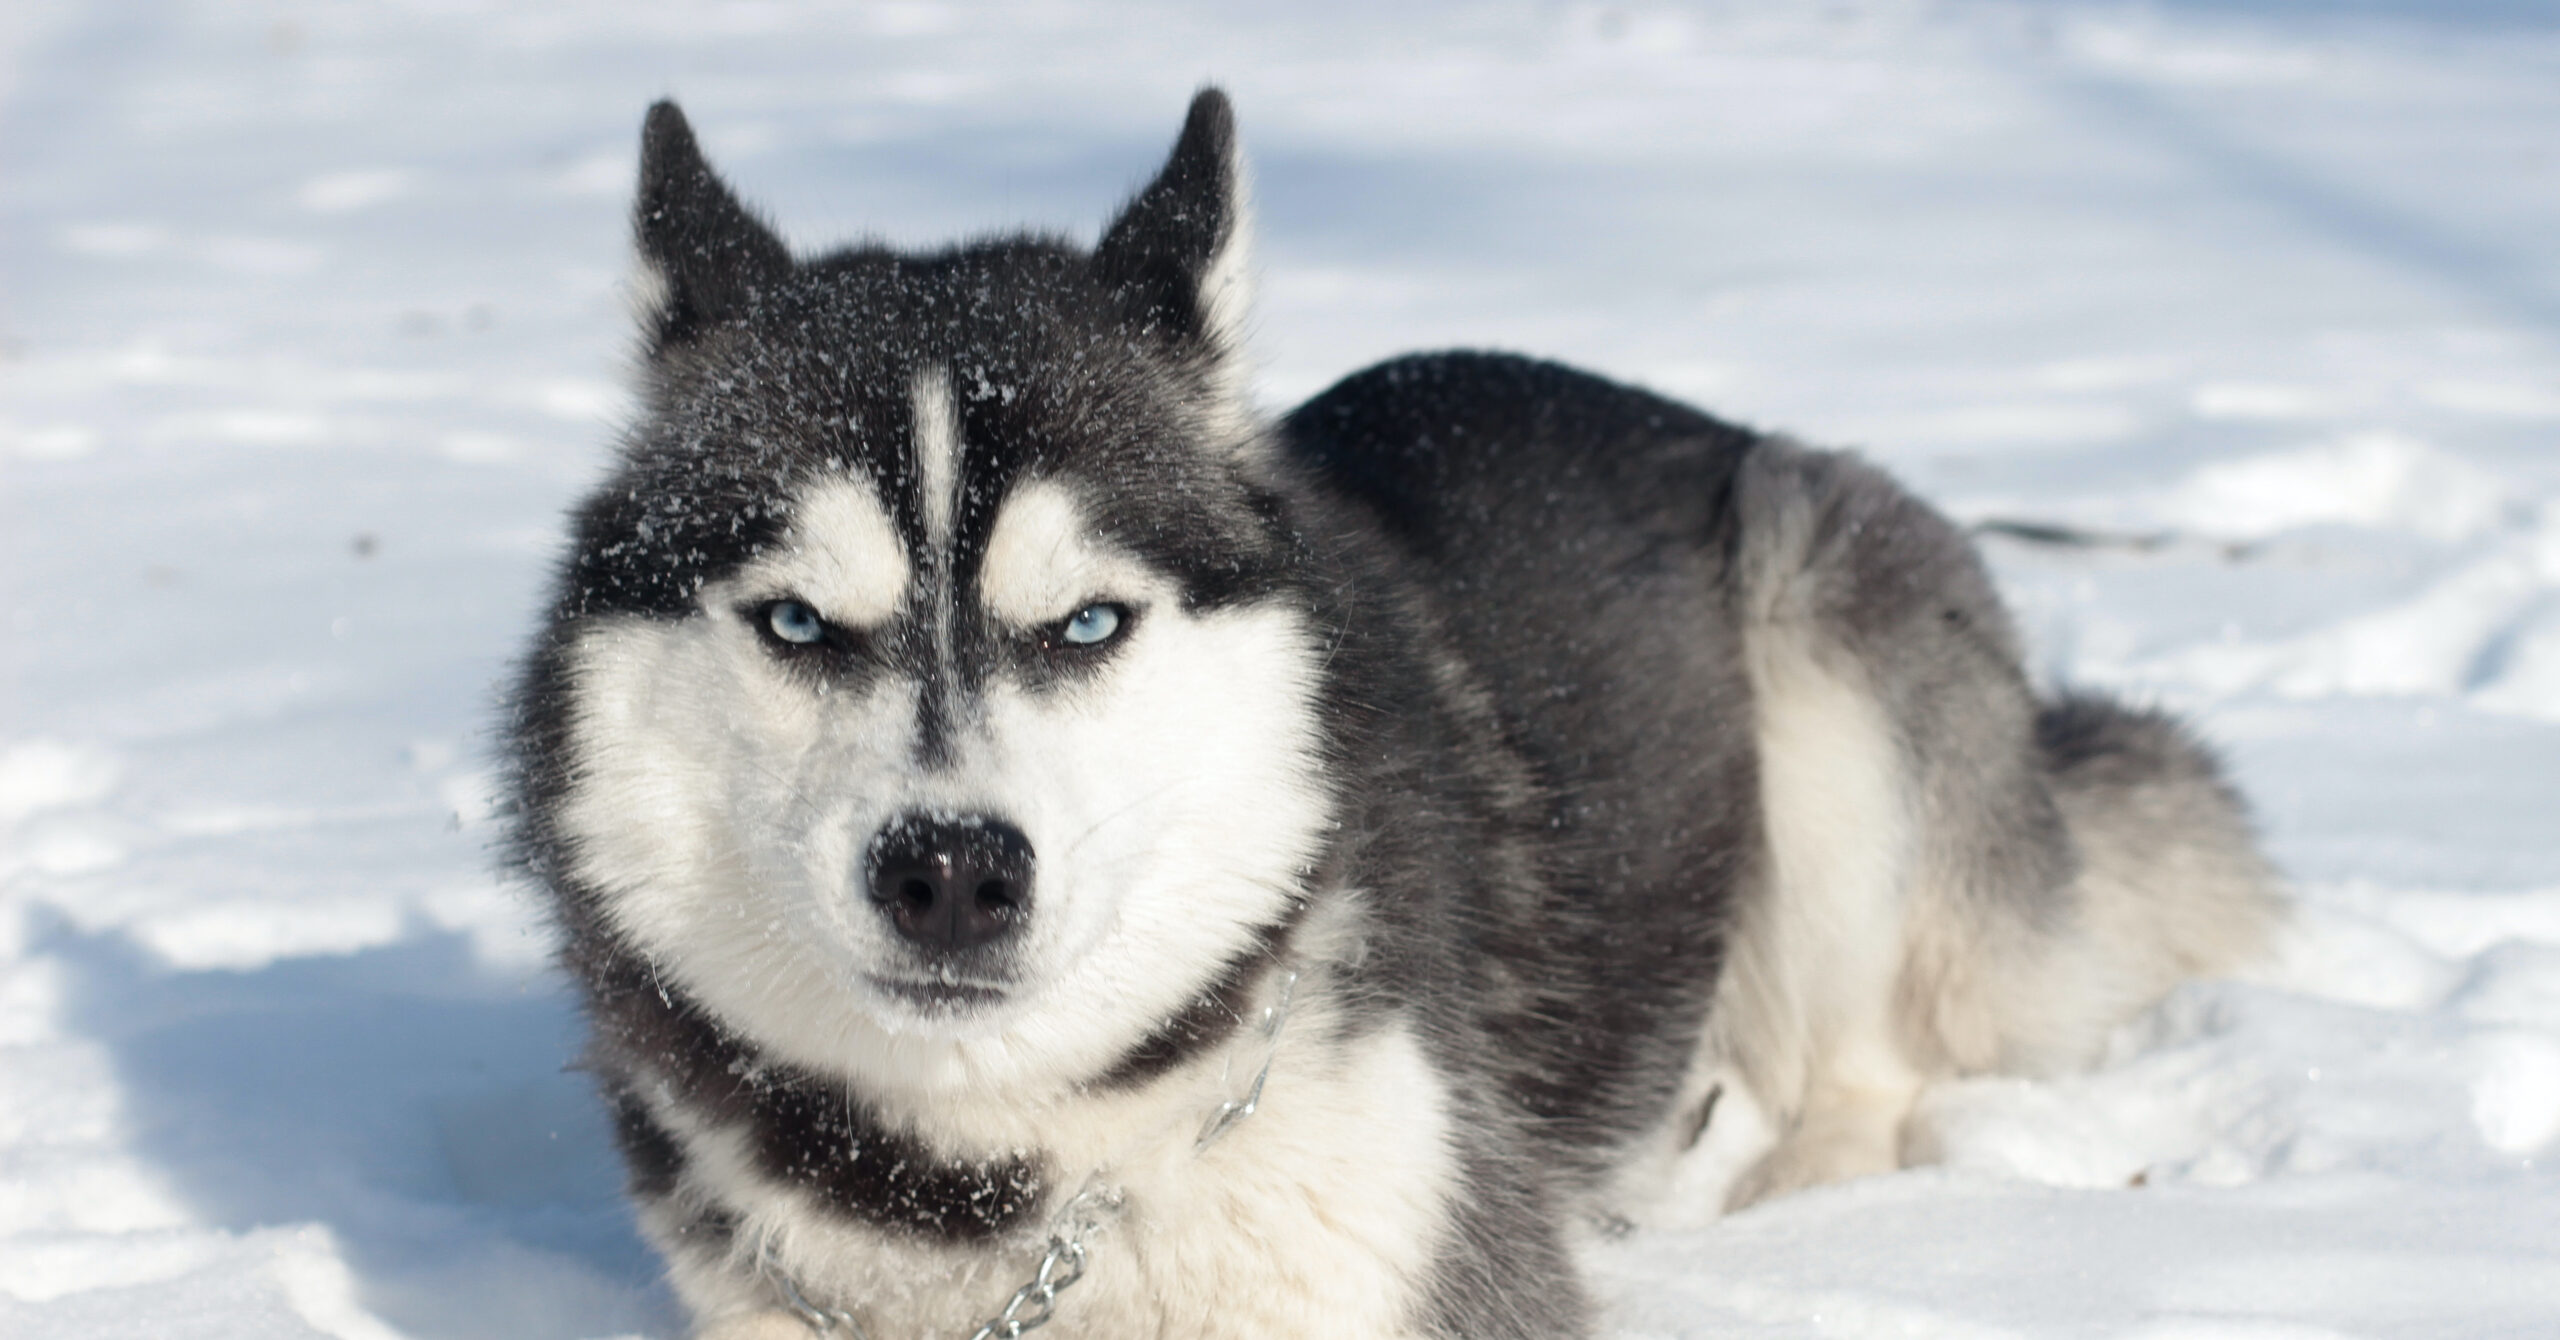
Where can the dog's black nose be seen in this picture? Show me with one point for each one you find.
(952, 882)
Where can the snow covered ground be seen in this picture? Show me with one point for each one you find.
(309, 328)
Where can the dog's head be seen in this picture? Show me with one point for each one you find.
(933, 689)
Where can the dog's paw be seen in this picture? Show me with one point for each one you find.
(1859, 1138)
(1798, 1164)
(756, 1326)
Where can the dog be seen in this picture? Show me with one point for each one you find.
(1042, 843)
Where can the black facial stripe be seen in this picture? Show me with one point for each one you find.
(825, 1140)
(650, 1155)
(710, 1229)
(845, 659)
(801, 1128)
(655, 1163)
(1205, 1021)
(936, 704)
(1210, 1017)
(934, 659)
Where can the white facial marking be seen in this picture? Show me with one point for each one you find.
(723, 799)
(937, 437)
(842, 555)
(1042, 562)
(722, 806)
(1175, 800)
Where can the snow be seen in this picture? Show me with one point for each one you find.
(311, 323)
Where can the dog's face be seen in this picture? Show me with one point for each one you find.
(939, 697)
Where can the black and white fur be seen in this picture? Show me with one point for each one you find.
(1583, 769)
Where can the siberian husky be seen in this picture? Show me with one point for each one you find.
(1042, 842)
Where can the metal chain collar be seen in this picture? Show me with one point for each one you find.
(1072, 1228)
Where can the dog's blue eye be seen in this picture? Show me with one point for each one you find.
(1092, 625)
(794, 622)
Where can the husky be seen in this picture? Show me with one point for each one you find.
(1042, 842)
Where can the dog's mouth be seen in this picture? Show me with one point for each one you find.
(939, 996)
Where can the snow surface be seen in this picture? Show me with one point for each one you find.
(312, 325)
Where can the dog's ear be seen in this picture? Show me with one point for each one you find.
(703, 256)
(1179, 254)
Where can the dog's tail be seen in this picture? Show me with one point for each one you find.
(2171, 882)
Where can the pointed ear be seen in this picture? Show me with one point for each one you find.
(1179, 254)
(703, 256)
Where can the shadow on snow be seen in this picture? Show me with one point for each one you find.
(408, 1099)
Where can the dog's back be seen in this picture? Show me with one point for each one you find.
(1779, 717)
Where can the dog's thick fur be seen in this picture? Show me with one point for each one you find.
(1552, 766)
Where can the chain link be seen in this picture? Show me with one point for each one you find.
(1237, 1109)
(1036, 1303)
(821, 1320)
